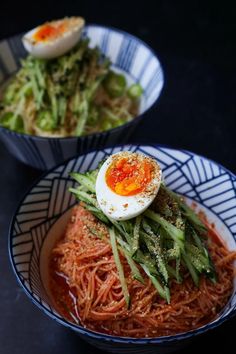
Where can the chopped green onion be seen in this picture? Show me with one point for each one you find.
(135, 91)
(11, 121)
(115, 84)
(45, 121)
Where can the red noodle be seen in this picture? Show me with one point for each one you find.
(86, 262)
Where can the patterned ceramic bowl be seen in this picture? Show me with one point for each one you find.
(128, 54)
(42, 215)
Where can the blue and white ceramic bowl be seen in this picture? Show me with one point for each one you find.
(128, 54)
(42, 215)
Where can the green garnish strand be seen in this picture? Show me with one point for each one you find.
(84, 180)
(119, 266)
(163, 292)
(176, 234)
(136, 233)
(134, 269)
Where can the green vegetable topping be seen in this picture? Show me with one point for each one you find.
(165, 241)
(115, 84)
(119, 266)
(45, 121)
(11, 121)
(135, 91)
(73, 95)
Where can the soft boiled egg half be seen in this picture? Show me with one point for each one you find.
(54, 38)
(127, 184)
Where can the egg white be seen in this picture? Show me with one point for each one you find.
(119, 207)
(53, 48)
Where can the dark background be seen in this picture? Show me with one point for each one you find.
(196, 44)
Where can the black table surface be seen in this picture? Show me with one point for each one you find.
(196, 111)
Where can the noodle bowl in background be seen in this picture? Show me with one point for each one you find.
(43, 227)
(129, 56)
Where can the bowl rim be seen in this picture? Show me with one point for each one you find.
(81, 329)
(103, 133)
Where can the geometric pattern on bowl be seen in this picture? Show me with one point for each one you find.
(204, 181)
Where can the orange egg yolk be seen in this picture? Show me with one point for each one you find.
(127, 176)
(49, 32)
